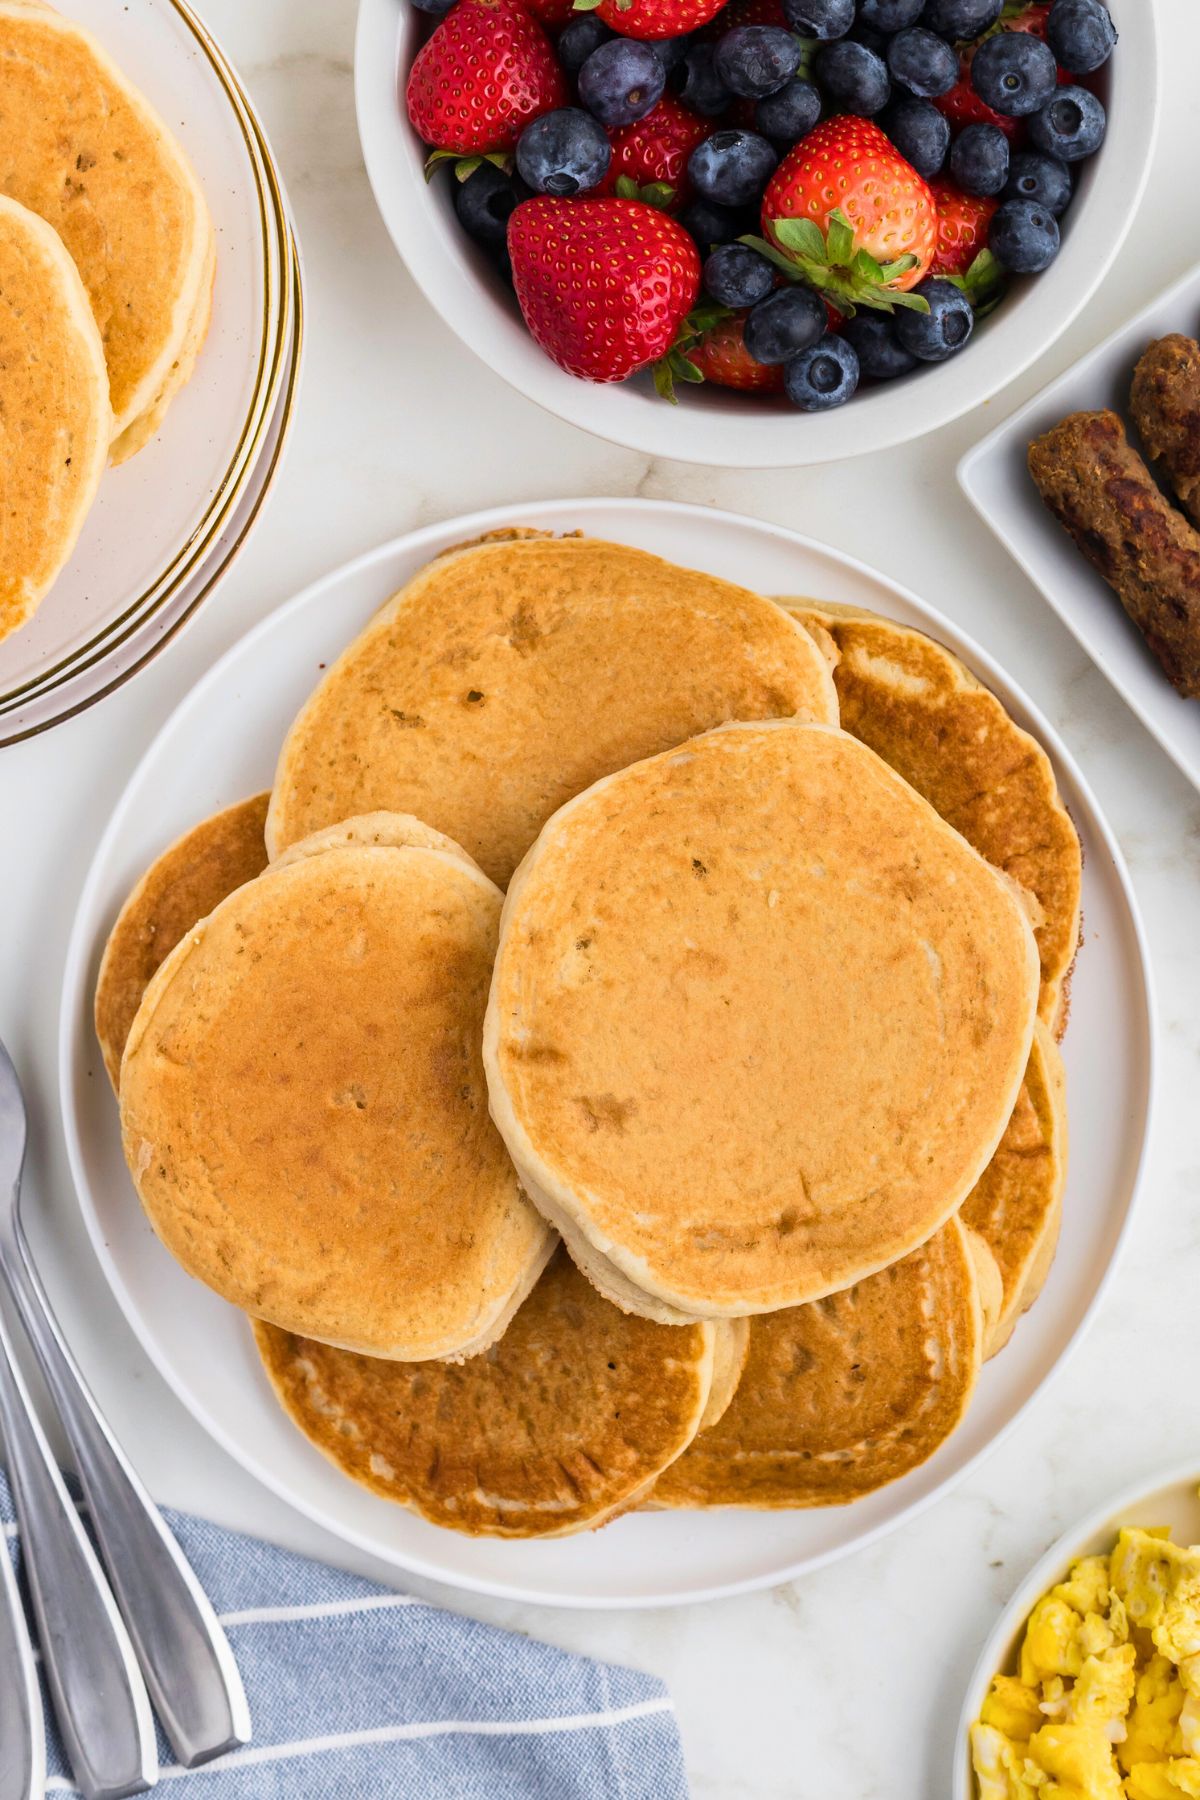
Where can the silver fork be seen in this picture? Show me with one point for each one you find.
(183, 1651)
(22, 1734)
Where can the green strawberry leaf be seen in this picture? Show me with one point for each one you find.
(653, 193)
(465, 166)
(848, 276)
(585, 5)
(801, 235)
(839, 238)
(984, 283)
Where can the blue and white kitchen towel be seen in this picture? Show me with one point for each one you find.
(358, 1693)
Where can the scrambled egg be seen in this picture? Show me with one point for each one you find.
(1105, 1703)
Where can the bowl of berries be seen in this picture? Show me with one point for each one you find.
(757, 232)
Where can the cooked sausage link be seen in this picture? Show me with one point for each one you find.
(1165, 403)
(1103, 494)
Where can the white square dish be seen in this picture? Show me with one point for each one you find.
(996, 481)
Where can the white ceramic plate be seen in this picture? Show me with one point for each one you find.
(711, 425)
(996, 481)
(1169, 1499)
(222, 744)
(159, 517)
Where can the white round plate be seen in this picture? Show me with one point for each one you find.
(160, 516)
(222, 744)
(1169, 1498)
(710, 424)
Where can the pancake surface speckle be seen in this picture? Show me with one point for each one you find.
(304, 1111)
(564, 1422)
(758, 1020)
(509, 675)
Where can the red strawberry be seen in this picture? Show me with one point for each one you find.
(655, 149)
(963, 221)
(486, 71)
(850, 215)
(747, 12)
(722, 357)
(604, 284)
(552, 13)
(657, 18)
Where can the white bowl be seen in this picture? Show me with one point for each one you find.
(1170, 1499)
(711, 425)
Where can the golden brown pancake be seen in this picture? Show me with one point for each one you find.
(758, 1020)
(508, 675)
(55, 421)
(304, 1111)
(135, 437)
(1016, 1205)
(178, 890)
(86, 150)
(919, 708)
(397, 830)
(568, 1420)
(846, 1394)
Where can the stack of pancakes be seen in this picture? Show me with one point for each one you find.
(706, 1165)
(107, 255)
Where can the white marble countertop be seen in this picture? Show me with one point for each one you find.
(846, 1683)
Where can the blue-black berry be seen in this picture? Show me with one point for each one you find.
(824, 377)
(1023, 236)
(1042, 179)
(754, 60)
(578, 38)
(738, 276)
(1014, 73)
(979, 159)
(920, 134)
(564, 152)
(944, 329)
(701, 87)
(790, 114)
(621, 81)
(889, 16)
(672, 50)
(824, 19)
(783, 324)
(922, 62)
(880, 352)
(709, 224)
(483, 203)
(961, 18)
(1081, 34)
(852, 78)
(732, 167)
(1069, 126)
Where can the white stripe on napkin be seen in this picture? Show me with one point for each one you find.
(318, 1609)
(391, 1734)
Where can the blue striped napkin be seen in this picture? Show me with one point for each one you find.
(364, 1694)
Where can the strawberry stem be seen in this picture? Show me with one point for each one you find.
(831, 262)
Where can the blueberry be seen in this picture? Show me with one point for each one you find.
(564, 152)
(790, 114)
(1014, 73)
(702, 88)
(732, 167)
(670, 51)
(621, 81)
(736, 275)
(880, 353)
(868, 35)
(1023, 236)
(961, 18)
(852, 77)
(1081, 34)
(783, 324)
(922, 62)
(433, 8)
(578, 39)
(753, 60)
(824, 19)
(920, 134)
(823, 377)
(483, 203)
(1070, 126)
(1042, 179)
(944, 329)
(979, 159)
(710, 225)
(889, 16)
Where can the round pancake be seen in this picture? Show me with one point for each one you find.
(1016, 1205)
(397, 830)
(136, 436)
(568, 1420)
(509, 675)
(55, 422)
(919, 708)
(183, 885)
(758, 1020)
(304, 1112)
(87, 151)
(846, 1394)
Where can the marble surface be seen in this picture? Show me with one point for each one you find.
(848, 1682)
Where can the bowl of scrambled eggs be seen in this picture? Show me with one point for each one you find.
(1089, 1686)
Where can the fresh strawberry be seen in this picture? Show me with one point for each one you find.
(552, 13)
(747, 12)
(653, 18)
(962, 221)
(605, 285)
(846, 213)
(721, 356)
(1027, 18)
(486, 71)
(653, 151)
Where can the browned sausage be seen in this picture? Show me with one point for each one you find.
(1165, 403)
(1104, 495)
